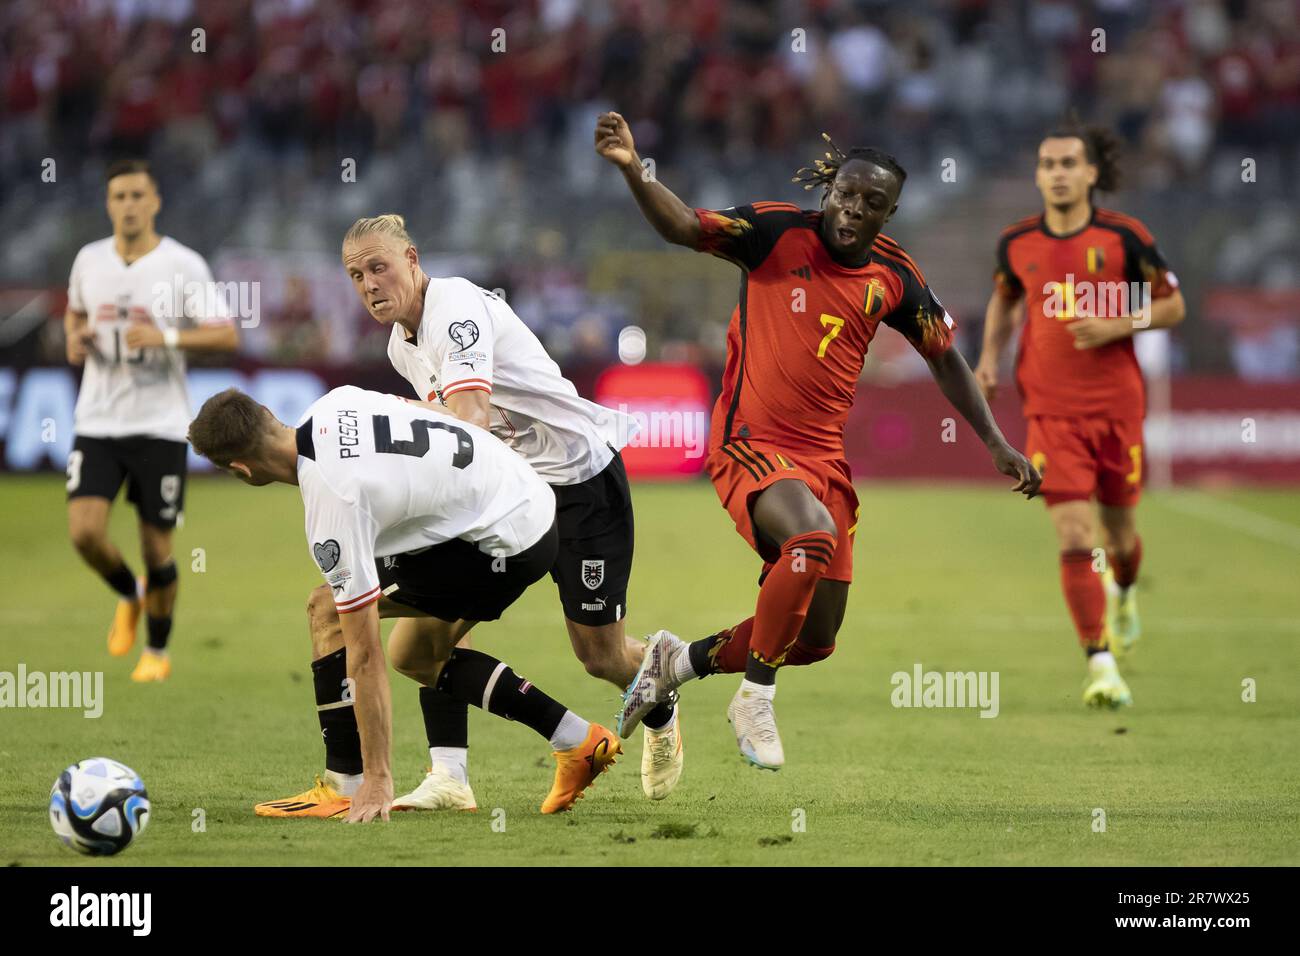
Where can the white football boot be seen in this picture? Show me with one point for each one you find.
(655, 682)
(439, 790)
(661, 759)
(754, 722)
(1103, 686)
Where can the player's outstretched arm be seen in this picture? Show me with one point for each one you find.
(671, 218)
(1000, 321)
(373, 705)
(960, 388)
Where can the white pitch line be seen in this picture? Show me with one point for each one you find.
(1232, 516)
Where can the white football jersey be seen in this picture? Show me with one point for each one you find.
(470, 339)
(380, 476)
(138, 391)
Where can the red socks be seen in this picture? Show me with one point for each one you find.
(771, 634)
(730, 650)
(1126, 566)
(1084, 595)
(786, 593)
(802, 654)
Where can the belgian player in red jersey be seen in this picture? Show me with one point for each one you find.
(815, 286)
(1089, 279)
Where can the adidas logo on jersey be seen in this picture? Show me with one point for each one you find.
(803, 272)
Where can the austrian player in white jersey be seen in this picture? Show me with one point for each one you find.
(123, 324)
(464, 348)
(410, 512)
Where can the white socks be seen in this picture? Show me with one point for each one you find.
(347, 784)
(571, 732)
(750, 689)
(1099, 662)
(682, 669)
(454, 759)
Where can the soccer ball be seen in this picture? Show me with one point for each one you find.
(98, 806)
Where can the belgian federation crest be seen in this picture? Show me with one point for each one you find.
(593, 573)
(873, 298)
(1096, 257)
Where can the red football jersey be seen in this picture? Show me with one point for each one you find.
(799, 335)
(1099, 271)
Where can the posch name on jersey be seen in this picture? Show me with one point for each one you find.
(349, 433)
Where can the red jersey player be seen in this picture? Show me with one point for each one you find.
(1089, 278)
(815, 286)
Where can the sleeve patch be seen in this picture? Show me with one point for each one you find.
(464, 334)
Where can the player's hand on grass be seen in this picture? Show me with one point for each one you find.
(1092, 332)
(373, 799)
(614, 140)
(986, 376)
(143, 335)
(79, 343)
(1010, 462)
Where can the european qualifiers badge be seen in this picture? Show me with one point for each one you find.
(464, 334)
(326, 554)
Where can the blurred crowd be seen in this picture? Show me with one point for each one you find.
(474, 118)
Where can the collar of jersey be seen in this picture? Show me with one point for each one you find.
(1042, 225)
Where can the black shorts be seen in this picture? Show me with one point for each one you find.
(153, 469)
(594, 565)
(455, 580)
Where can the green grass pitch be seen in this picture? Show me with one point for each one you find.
(958, 579)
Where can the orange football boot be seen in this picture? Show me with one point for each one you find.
(577, 769)
(121, 636)
(321, 801)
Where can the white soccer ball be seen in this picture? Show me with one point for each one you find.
(98, 806)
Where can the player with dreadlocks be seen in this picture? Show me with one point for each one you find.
(815, 285)
(1075, 266)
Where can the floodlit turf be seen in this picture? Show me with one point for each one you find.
(956, 579)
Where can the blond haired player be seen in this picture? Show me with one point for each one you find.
(464, 348)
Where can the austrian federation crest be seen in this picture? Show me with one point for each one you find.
(593, 573)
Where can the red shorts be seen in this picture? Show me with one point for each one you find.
(1082, 457)
(740, 470)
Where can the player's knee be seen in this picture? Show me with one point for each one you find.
(601, 664)
(818, 519)
(158, 555)
(606, 661)
(1075, 537)
(404, 662)
(410, 660)
(87, 537)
